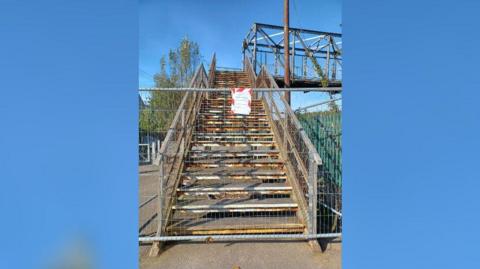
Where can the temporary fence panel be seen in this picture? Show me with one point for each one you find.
(322, 124)
(231, 175)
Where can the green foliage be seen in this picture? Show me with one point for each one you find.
(333, 107)
(324, 82)
(162, 106)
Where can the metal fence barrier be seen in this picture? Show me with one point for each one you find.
(199, 127)
(322, 123)
(144, 153)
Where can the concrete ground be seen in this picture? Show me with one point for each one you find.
(244, 255)
(223, 255)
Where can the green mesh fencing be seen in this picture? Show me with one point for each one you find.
(325, 131)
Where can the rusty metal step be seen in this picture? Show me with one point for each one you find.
(192, 178)
(235, 129)
(227, 101)
(214, 112)
(237, 205)
(236, 148)
(239, 162)
(226, 135)
(233, 123)
(200, 154)
(268, 134)
(227, 112)
(213, 138)
(224, 171)
(224, 175)
(195, 225)
(253, 144)
(228, 106)
(231, 116)
(225, 98)
(236, 188)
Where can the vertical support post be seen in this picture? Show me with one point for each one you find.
(243, 57)
(304, 64)
(334, 67)
(285, 130)
(266, 61)
(293, 58)
(276, 64)
(182, 142)
(154, 148)
(255, 49)
(313, 174)
(160, 194)
(286, 48)
(156, 246)
(148, 152)
(312, 200)
(327, 65)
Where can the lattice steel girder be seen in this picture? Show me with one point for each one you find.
(323, 49)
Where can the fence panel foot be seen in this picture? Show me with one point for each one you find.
(155, 249)
(315, 245)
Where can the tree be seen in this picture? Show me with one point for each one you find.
(333, 107)
(158, 113)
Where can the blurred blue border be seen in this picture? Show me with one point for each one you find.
(68, 132)
(411, 125)
(411, 128)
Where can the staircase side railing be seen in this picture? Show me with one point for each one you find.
(248, 68)
(211, 71)
(174, 148)
(302, 157)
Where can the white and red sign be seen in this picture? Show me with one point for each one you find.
(241, 100)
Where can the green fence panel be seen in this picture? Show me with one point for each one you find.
(324, 130)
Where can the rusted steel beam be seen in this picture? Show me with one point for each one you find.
(306, 31)
(286, 49)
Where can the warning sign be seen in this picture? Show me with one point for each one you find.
(241, 100)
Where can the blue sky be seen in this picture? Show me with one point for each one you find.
(220, 26)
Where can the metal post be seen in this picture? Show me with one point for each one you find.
(154, 148)
(304, 64)
(182, 142)
(293, 57)
(243, 54)
(160, 195)
(327, 67)
(148, 152)
(312, 189)
(285, 130)
(334, 67)
(286, 49)
(255, 50)
(276, 65)
(266, 62)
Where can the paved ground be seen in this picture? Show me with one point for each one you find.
(244, 255)
(148, 188)
(223, 255)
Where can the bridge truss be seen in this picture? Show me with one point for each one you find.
(314, 55)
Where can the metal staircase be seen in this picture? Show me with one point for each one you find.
(224, 176)
(234, 179)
